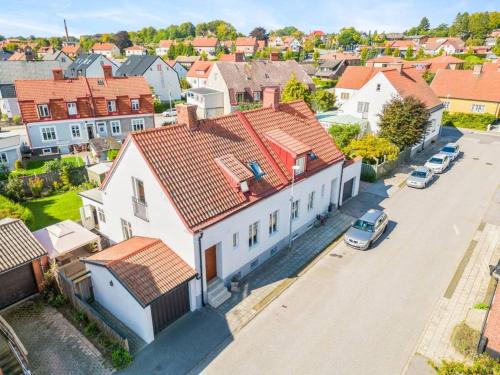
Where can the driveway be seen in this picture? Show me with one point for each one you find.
(363, 312)
(54, 346)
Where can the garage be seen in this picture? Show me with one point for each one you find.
(170, 307)
(17, 284)
(347, 191)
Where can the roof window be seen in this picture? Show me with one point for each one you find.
(312, 155)
(256, 170)
(100, 82)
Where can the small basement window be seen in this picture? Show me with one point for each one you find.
(256, 170)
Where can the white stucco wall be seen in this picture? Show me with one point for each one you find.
(339, 102)
(164, 81)
(95, 69)
(120, 302)
(216, 81)
(350, 172)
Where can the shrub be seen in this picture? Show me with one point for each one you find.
(36, 186)
(91, 329)
(5, 117)
(160, 107)
(16, 119)
(478, 121)
(185, 84)
(57, 300)
(344, 134)
(65, 178)
(14, 189)
(323, 100)
(372, 149)
(120, 358)
(465, 339)
(111, 155)
(482, 364)
(481, 306)
(14, 210)
(18, 164)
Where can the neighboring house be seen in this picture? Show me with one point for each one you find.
(5, 55)
(443, 62)
(197, 75)
(246, 45)
(10, 151)
(449, 45)
(310, 67)
(244, 82)
(187, 61)
(61, 114)
(209, 102)
(12, 70)
(99, 147)
(318, 34)
(261, 44)
(178, 67)
(350, 58)
(394, 36)
(135, 50)
(57, 56)
(235, 57)
(491, 327)
(107, 49)
(276, 42)
(159, 75)
(89, 65)
(217, 192)
(331, 69)
(292, 43)
(402, 45)
(72, 50)
(42, 51)
(21, 261)
(163, 47)
(384, 61)
(207, 45)
(469, 91)
(370, 89)
(143, 283)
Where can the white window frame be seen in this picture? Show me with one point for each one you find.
(363, 107)
(235, 240)
(126, 229)
(101, 215)
(478, 108)
(114, 123)
(301, 163)
(273, 222)
(3, 158)
(72, 108)
(295, 209)
(100, 124)
(253, 234)
(43, 110)
(53, 128)
(77, 126)
(138, 121)
(310, 200)
(134, 104)
(111, 105)
(344, 95)
(47, 151)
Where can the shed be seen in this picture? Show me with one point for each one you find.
(97, 172)
(100, 147)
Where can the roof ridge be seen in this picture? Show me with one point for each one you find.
(146, 247)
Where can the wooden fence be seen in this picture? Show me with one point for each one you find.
(372, 172)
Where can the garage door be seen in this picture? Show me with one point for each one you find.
(16, 285)
(347, 192)
(170, 307)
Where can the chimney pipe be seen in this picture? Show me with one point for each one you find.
(57, 73)
(399, 67)
(271, 98)
(274, 56)
(478, 68)
(108, 71)
(186, 114)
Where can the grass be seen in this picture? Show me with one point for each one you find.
(35, 167)
(52, 209)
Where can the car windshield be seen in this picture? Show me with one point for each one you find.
(363, 225)
(436, 160)
(448, 149)
(420, 174)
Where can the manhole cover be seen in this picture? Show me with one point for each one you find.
(475, 158)
(336, 255)
(488, 163)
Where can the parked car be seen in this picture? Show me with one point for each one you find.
(438, 163)
(420, 178)
(366, 230)
(452, 150)
(170, 112)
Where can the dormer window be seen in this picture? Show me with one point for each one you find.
(301, 164)
(100, 82)
(378, 86)
(72, 110)
(43, 110)
(256, 170)
(111, 106)
(134, 103)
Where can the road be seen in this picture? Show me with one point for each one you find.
(363, 312)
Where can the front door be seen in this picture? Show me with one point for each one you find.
(90, 131)
(101, 129)
(211, 263)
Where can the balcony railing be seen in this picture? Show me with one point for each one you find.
(140, 209)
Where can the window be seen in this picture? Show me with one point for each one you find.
(301, 163)
(310, 200)
(111, 106)
(256, 169)
(158, 67)
(43, 110)
(273, 222)
(322, 190)
(115, 127)
(49, 134)
(134, 103)
(446, 104)
(256, 96)
(295, 209)
(344, 95)
(126, 229)
(240, 97)
(478, 108)
(363, 107)
(378, 86)
(3, 158)
(72, 110)
(100, 214)
(138, 187)
(236, 240)
(75, 131)
(253, 231)
(46, 151)
(137, 124)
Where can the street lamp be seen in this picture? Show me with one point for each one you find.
(294, 169)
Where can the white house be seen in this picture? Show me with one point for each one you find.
(107, 49)
(160, 76)
(163, 47)
(178, 67)
(363, 91)
(89, 65)
(10, 151)
(209, 102)
(135, 50)
(218, 192)
(448, 45)
(197, 75)
(207, 45)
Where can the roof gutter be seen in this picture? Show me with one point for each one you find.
(200, 236)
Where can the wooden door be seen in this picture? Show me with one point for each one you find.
(17, 284)
(170, 307)
(211, 263)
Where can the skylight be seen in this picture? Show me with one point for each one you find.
(256, 170)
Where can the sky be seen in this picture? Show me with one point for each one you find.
(45, 17)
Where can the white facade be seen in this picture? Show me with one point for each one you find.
(114, 51)
(343, 95)
(210, 51)
(210, 103)
(138, 52)
(164, 80)
(197, 82)
(9, 107)
(216, 82)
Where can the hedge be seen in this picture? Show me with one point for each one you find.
(14, 210)
(477, 121)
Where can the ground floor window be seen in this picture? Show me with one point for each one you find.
(3, 158)
(235, 240)
(75, 131)
(100, 213)
(310, 201)
(126, 229)
(478, 108)
(49, 134)
(253, 231)
(138, 124)
(295, 209)
(273, 222)
(116, 127)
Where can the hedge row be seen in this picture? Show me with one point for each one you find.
(478, 121)
(14, 210)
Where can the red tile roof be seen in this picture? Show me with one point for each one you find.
(464, 84)
(71, 49)
(246, 41)
(355, 77)
(401, 44)
(166, 43)
(286, 141)
(200, 69)
(135, 48)
(145, 266)
(491, 66)
(433, 44)
(441, 62)
(103, 46)
(385, 59)
(204, 42)
(185, 161)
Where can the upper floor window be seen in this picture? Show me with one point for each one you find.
(446, 104)
(240, 97)
(256, 96)
(256, 170)
(126, 229)
(310, 200)
(363, 107)
(478, 108)
(49, 133)
(100, 214)
(344, 95)
(72, 110)
(378, 86)
(236, 240)
(43, 110)
(134, 103)
(138, 187)
(111, 106)
(301, 164)
(273, 222)
(158, 67)
(295, 209)
(137, 124)
(253, 234)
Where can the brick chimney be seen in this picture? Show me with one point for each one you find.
(57, 73)
(271, 98)
(274, 56)
(478, 68)
(108, 71)
(399, 67)
(239, 57)
(186, 114)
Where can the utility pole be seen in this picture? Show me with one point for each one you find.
(66, 31)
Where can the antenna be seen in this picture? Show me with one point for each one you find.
(66, 31)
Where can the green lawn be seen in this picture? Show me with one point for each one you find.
(35, 167)
(50, 210)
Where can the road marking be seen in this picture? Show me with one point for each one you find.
(460, 270)
(455, 228)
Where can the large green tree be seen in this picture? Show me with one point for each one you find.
(348, 36)
(343, 134)
(372, 149)
(403, 121)
(424, 25)
(323, 100)
(295, 90)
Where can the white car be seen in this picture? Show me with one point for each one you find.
(420, 178)
(452, 150)
(170, 113)
(438, 163)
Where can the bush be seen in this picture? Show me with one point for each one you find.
(18, 164)
(16, 119)
(160, 106)
(372, 149)
(184, 84)
(5, 117)
(36, 186)
(57, 300)
(465, 339)
(14, 210)
(111, 155)
(344, 134)
(91, 329)
(477, 121)
(481, 306)
(14, 189)
(120, 358)
(482, 364)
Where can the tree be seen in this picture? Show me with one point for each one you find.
(460, 26)
(122, 40)
(259, 33)
(479, 25)
(315, 55)
(295, 90)
(348, 37)
(203, 56)
(14, 210)
(420, 53)
(388, 50)
(428, 77)
(308, 45)
(396, 52)
(343, 134)
(403, 121)
(286, 31)
(496, 48)
(14, 189)
(372, 149)
(186, 30)
(364, 54)
(424, 25)
(409, 53)
(323, 100)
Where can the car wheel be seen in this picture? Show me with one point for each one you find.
(369, 245)
(385, 229)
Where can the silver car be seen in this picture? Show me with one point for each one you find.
(438, 163)
(366, 230)
(420, 178)
(452, 150)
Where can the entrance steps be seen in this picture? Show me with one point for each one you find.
(217, 292)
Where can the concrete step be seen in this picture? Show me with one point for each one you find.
(217, 293)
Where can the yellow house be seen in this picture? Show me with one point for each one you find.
(469, 91)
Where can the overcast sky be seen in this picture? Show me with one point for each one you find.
(45, 17)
